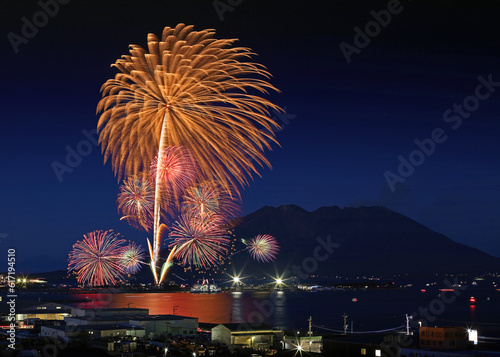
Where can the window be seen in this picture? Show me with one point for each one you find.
(363, 351)
(378, 353)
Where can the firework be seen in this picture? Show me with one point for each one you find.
(176, 171)
(188, 90)
(200, 241)
(208, 198)
(263, 248)
(132, 258)
(97, 259)
(136, 203)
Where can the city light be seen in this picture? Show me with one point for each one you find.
(236, 279)
(279, 281)
(472, 336)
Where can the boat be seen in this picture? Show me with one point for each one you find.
(205, 288)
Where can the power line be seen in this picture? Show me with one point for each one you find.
(376, 331)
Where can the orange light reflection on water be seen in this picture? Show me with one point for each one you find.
(214, 308)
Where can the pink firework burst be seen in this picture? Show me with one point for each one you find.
(97, 259)
(263, 248)
(200, 241)
(136, 203)
(176, 170)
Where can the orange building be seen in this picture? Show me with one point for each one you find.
(443, 338)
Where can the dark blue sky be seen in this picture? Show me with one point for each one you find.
(348, 124)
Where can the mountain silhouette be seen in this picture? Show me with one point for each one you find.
(359, 241)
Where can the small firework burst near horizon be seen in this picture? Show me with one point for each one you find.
(132, 258)
(96, 259)
(200, 241)
(263, 248)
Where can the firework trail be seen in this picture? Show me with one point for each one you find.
(200, 241)
(97, 259)
(132, 258)
(263, 248)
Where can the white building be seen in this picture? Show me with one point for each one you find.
(243, 335)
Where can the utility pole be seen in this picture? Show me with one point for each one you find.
(408, 318)
(345, 323)
(310, 332)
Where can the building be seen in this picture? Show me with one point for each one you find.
(243, 335)
(355, 345)
(443, 338)
(76, 311)
(307, 343)
(154, 325)
(70, 333)
(48, 311)
(408, 352)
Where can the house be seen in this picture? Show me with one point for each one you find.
(246, 336)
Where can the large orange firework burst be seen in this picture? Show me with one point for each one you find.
(187, 89)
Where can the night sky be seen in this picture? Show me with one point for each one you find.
(433, 71)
